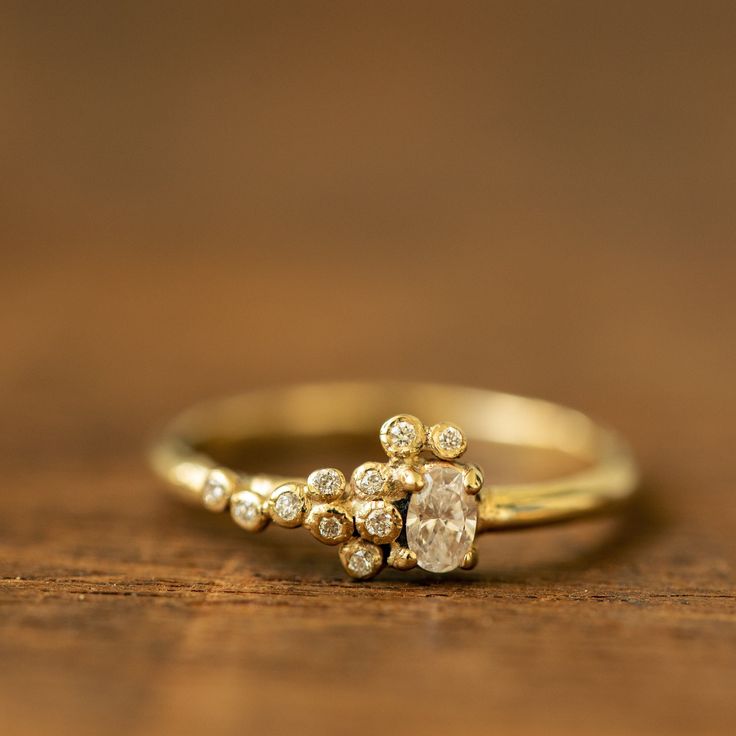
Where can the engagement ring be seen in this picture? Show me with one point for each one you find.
(420, 505)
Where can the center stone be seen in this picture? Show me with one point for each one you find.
(441, 520)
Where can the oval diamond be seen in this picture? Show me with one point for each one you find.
(441, 520)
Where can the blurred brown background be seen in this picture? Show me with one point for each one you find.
(202, 197)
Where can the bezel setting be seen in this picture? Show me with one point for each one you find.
(287, 504)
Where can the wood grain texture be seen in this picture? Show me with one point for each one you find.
(195, 203)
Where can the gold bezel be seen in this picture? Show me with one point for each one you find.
(390, 445)
(299, 490)
(436, 444)
(250, 525)
(361, 471)
(227, 480)
(320, 512)
(363, 512)
(351, 547)
(315, 493)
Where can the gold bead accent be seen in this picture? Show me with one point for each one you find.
(473, 479)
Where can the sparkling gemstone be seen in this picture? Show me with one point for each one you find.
(327, 482)
(330, 527)
(288, 505)
(370, 482)
(402, 434)
(379, 523)
(361, 562)
(441, 520)
(450, 439)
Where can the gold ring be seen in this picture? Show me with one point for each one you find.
(419, 506)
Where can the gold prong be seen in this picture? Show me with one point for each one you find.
(471, 559)
(409, 479)
(401, 558)
(473, 479)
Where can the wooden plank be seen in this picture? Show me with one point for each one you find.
(576, 205)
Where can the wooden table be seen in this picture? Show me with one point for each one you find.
(541, 199)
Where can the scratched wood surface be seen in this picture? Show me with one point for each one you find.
(533, 197)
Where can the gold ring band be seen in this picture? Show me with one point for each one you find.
(406, 510)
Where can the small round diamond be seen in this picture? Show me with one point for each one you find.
(246, 508)
(372, 482)
(450, 439)
(447, 441)
(330, 527)
(216, 490)
(214, 493)
(361, 559)
(287, 506)
(402, 436)
(379, 523)
(369, 480)
(326, 484)
(360, 563)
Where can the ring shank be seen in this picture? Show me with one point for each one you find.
(314, 410)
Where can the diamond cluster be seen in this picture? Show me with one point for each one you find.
(438, 512)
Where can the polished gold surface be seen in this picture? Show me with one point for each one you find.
(608, 475)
